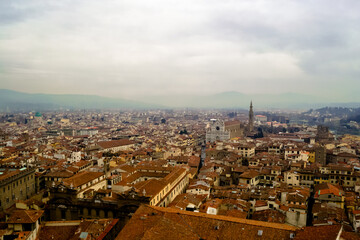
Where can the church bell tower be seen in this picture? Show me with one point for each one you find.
(251, 118)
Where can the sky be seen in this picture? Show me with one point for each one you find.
(127, 48)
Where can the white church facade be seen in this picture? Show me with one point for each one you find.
(216, 131)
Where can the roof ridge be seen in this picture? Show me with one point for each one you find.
(227, 218)
(26, 211)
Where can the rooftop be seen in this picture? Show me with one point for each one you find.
(169, 223)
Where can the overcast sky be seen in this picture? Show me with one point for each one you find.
(160, 47)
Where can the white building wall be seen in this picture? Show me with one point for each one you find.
(216, 131)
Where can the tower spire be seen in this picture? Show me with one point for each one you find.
(251, 117)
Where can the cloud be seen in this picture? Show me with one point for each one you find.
(126, 48)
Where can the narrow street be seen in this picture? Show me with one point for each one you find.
(310, 207)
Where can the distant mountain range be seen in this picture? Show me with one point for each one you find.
(18, 101)
(239, 100)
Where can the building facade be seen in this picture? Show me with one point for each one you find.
(15, 184)
(216, 131)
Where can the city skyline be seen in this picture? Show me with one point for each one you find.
(164, 48)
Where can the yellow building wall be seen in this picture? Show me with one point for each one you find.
(311, 157)
(321, 180)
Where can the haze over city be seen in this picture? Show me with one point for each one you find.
(127, 49)
(163, 119)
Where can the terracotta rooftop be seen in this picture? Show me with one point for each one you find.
(168, 223)
(82, 178)
(249, 174)
(7, 173)
(183, 200)
(233, 213)
(60, 174)
(72, 230)
(329, 232)
(152, 186)
(231, 123)
(269, 215)
(115, 143)
(25, 216)
(327, 188)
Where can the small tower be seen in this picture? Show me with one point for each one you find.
(107, 167)
(251, 118)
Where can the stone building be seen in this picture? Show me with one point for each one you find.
(15, 184)
(329, 193)
(86, 183)
(323, 134)
(23, 224)
(65, 205)
(216, 131)
(320, 155)
(161, 185)
(235, 128)
(115, 145)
